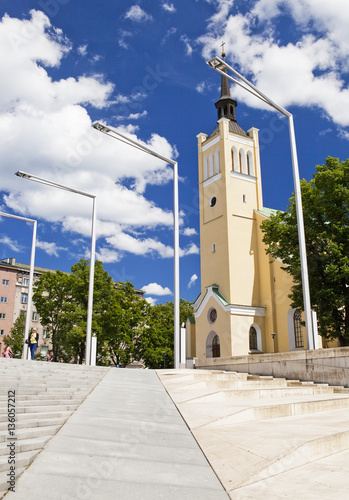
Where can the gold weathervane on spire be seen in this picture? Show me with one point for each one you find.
(223, 52)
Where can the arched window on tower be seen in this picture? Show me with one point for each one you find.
(234, 159)
(298, 331)
(205, 168)
(211, 170)
(217, 162)
(242, 159)
(250, 168)
(253, 339)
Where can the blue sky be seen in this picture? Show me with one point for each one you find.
(140, 66)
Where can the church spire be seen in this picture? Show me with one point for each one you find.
(225, 105)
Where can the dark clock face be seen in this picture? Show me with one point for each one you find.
(213, 201)
(213, 315)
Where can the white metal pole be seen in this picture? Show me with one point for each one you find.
(176, 266)
(30, 293)
(301, 237)
(91, 283)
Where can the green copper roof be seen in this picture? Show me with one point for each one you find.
(267, 212)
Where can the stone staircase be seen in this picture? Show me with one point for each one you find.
(46, 395)
(261, 434)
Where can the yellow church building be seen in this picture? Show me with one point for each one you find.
(243, 307)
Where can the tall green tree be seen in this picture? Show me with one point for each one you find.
(52, 299)
(156, 344)
(326, 219)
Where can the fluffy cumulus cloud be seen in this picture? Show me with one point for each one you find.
(11, 244)
(169, 7)
(49, 248)
(48, 119)
(156, 289)
(192, 280)
(137, 14)
(305, 70)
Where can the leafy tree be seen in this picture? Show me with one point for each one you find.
(156, 345)
(51, 297)
(16, 338)
(326, 219)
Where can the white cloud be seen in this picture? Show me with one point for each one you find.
(192, 249)
(132, 116)
(169, 7)
(192, 280)
(305, 72)
(107, 255)
(188, 47)
(49, 248)
(189, 231)
(12, 244)
(151, 300)
(201, 87)
(82, 50)
(156, 289)
(47, 119)
(137, 14)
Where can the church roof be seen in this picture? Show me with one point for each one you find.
(267, 212)
(234, 128)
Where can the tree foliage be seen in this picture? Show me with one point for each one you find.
(16, 339)
(126, 326)
(326, 219)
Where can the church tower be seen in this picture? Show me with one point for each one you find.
(240, 306)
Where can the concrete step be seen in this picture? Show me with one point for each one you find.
(180, 395)
(55, 413)
(23, 459)
(26, 444)
(28, 433)
(44, 408)
(4, 478)
(37, 421)
(280, 410)
(307, 452)
(43, 401)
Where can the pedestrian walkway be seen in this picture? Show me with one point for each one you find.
(125, 441)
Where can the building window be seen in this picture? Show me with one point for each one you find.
(5, 282)
(22, 313)
(35, 316)
(244, 198)
(212, 315)
(44, 334)
(2, 332)
(24, 298)
(297, 323)
(25, 282)
(2, 315)
(253, 339)
(213, 201)
(3, 299)
(213, 247)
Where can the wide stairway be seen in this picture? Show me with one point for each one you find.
(264, 436)
(45, 395)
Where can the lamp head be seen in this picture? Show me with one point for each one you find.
(24, 175)
(100, 127)
(216, 63)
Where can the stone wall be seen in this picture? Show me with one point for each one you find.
(330, 366)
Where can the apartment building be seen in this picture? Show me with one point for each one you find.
(14, 285)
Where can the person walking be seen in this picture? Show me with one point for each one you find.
(8, 352)
(33, 341)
